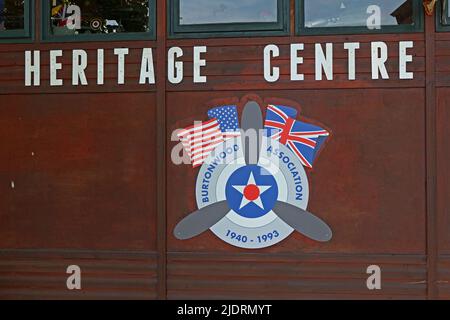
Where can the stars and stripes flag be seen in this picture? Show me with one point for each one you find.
(303, 139)
(227, 116)
(200, 140)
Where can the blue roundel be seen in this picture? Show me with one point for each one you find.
(251, 191)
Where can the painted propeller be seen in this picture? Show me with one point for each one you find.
(201, 220)
(252, 126)
(303, 221)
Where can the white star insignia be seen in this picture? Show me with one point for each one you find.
(251, 192)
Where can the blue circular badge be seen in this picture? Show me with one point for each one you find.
(278, 176)
(251, 191)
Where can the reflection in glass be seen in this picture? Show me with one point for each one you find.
(353, 13)
(11, 15)
(445, 18)
(99, 16)
(227, 11)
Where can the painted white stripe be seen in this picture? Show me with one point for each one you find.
(202, 147)
(197, 133)
(205, 137)
(205, 151)
(198, 127)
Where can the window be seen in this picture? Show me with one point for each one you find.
(15, 19)
(215, 18)
(79, 20)
(358, 16)
(443, 16)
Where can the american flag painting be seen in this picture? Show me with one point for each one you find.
(302, 138)
(200, 140)
(227, 116)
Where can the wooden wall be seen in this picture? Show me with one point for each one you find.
(86, 176)
(443, 157)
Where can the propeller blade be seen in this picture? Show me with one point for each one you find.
(201, 220)
(303, 221)
(251, 119)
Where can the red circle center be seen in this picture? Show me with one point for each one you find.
(251, 192)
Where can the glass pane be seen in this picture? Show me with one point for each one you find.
(72, 17)
(11, 15)
(227, 11)
(358, 13)
(446, 14)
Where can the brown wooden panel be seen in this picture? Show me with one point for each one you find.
(340, 81)
(256, 68)
(443, 47)
(443, 280)
(442, 63)
(41, 274)
(442, 59)
(233, 66)
(443, 178)
(443, 188)
(430, 156)
(12, 67)
(242, 51)
(77, 171)
(255, 41)
(78, 178)
(368, 184)
(292, 276)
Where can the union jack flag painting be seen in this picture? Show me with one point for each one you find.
(302, 138)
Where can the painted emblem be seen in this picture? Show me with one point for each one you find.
(252, 189)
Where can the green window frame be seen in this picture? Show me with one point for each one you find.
(302, 30)
(26, 34)
(176, 31)
(47, 35)
(441, 26)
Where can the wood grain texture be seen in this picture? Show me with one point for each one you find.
(86, 177)
(292, 276)
(12, 67)
(430, 125)
(161, 113)
(41, 274)
(77, 171)
(443, 178)
(367, 184)
(443, 277)
(443, 188)
(239, 66)
(442, 54)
